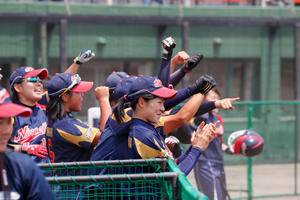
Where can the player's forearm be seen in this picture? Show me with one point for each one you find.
(172, 65)
(176, 77)
(73, 68)
(205, 107)
(182, 95)
(177, 120)
(187, 164)
(105, 111)
(164, 72)
(191, 107)
(182, 156)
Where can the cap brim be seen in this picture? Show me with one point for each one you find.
(83, 86)
(42, 73)
(165, 93)
(12, 109)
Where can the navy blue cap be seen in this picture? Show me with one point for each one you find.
(148, 84)
(61, 83)
(114, 79)
(123, 87)
(9, 109)
(25, 72)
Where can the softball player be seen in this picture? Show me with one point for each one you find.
(68, 138)
(105, 149)
(20, 177)
(209, 169)
(146, 97)
(27, 89)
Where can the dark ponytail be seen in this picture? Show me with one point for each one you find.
(118, 110)
(55, 109)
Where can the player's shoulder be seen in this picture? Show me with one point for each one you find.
(139, 128)
(19, 159)
(69, 122)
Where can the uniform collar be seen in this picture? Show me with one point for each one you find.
(69, 114)
(20, 103)
(142, 122)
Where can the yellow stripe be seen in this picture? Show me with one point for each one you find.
(148, 152)
(88, 135)
(126, 117)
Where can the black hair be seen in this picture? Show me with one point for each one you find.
(111, 95)
(55, 108)
(14, 94)
(118, 109)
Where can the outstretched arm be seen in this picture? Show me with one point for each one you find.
(185, 68)
(83, 57)
(102, 95)
(189, 109)
(164, 72)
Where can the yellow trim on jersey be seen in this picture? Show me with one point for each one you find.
(129, 142)
(161, 122)
(88, 135)
(168, 112)
(49, 132)
(126, 118)
(148, 152)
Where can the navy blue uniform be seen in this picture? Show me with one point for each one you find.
(209, 169)
(25, 178)
(113, 142)
(31, 130)
(70, 140)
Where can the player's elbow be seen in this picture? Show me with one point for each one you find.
(183, 119)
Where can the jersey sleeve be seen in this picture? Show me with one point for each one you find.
(148, 145)
(76, 132)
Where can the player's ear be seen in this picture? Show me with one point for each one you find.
(17, 87)
(65, 98)
(141, 102)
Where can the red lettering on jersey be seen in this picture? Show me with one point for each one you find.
(26, 135)
(51, 153)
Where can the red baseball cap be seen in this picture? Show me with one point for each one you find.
(9, 109)
(148, 84)
(25, 72)
(61, 83)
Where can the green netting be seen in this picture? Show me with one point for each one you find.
(126, 179)
(133, 186)
(274, 121)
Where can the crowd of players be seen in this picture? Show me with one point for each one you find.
(141, 117)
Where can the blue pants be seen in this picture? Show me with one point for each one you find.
(210, 178)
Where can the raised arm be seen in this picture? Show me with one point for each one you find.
(187, 67)
(102, 95)
(164, 72)
(179, 59)
(83, 57)
(177, 120)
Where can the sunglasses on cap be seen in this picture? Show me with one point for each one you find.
(76, 80)
(33, 79)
